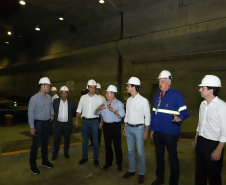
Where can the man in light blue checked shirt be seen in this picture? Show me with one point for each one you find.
(112, 112)
(40, 114)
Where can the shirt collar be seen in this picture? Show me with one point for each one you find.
(168, 91)
(215, 100)
(62, 100)
(40, 94)
(135, 96)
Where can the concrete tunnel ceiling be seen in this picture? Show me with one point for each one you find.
(22, 20)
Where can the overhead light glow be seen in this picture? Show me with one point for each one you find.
(7, 42)
(9, 33)
(61, 18)
(37, 28)
(22, 2)
(101, 1)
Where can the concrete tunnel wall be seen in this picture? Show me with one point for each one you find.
(189, 41)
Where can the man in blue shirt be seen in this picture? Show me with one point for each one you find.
(169, 111)
(112, 112)
(40, 115)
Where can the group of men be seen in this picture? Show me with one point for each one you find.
(169, 111)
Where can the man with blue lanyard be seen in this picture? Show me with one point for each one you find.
(169, 111)
(40, 115)
(112, 112)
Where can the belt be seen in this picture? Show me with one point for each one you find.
(42, 120)
(89, 118)
(62, 122)
(204, 139)
(137, 125)
(112, 122)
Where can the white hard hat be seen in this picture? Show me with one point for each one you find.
(44, 80)
(165, 74)
(91, 82)
(134, 81)
(98, 86)
(53, 89)
(210, 81)
(112, 88)
(64, 88)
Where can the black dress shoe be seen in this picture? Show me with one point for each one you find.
(128, 174)
(83, 161)
(96, 163)
(66, 156)
(54, 157)
(158, 182)
(141, 179)
(106, 166)
(119, 167)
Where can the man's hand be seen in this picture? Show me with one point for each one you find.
(151, 135)
(76, 123)
(145, 135)
(216, 155)
(32, 131)
(111, 108)
(176, 119)
(51, 118)
(100, 108)
(195, 141)
(101, 125)
(124, 130)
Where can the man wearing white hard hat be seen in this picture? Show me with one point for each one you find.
(40, 114)
(112, 112)
(64, 111)
(87, 106)
(169, 111)
(53, 91)
(210, 134)
(137, 121)
(98, 92)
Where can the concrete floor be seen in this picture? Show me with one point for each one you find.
(15, 167)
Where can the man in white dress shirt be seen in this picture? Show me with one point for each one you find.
(98, 92)
(64, 111)
(137, 121)
(87, 106)
(211, 133)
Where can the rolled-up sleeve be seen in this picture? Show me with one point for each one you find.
(147, 113)
(31, 107)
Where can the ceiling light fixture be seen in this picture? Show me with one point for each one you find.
(61, 18)
(7, 42)
(101, 1)
(9, 33)
(37, 28)
(22, 2)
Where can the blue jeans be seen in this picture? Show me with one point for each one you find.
(134, 135)
(90, 127)
(42, 134)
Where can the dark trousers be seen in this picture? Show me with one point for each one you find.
(59, 130)
(112, 132)
(161, 141)
(42, 134)
(205, 167)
